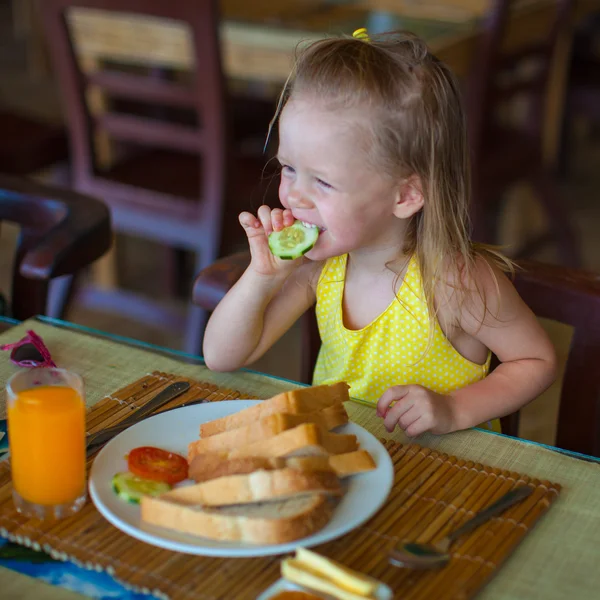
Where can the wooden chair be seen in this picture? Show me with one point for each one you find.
(571, 297)
(568, 296)
(582, 96)
(170, 182)
(61, 233)
(505, 152)
(28, 145)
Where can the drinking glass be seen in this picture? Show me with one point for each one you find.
(46, 434)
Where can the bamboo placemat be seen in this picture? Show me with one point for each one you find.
(432, 494)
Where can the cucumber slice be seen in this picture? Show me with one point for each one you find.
(293, 241)
(131, 488)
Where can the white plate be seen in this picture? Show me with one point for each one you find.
(173, 430)
(384, 592)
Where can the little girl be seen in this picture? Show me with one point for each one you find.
(373, 152)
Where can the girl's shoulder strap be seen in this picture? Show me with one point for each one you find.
(334, 269)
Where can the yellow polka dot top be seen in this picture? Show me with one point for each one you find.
(392, 350)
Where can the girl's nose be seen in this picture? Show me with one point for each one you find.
(298, 199)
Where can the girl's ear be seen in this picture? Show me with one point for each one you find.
(409, 200)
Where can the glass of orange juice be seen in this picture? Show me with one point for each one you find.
(46, 435)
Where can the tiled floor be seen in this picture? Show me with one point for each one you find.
(140, 261)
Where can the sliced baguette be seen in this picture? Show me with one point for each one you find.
(327, 418)
(305, 440)
(258, 486)
(205, 467)
(302, 400)
(263, 523)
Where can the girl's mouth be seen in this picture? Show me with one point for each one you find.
(321, 229)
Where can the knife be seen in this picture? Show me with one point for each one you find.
(122, 426)
(169, 393)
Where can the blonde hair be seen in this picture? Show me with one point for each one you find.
(418, 127)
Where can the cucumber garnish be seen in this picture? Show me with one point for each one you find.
(293, 241)
(131, 488)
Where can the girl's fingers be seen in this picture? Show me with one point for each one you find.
(277, 219)
(264, 214)
(394, 393)
(249, 221)
(416, 428)
(409, 417)
(288, 217)
(252, 226)
(397, 411)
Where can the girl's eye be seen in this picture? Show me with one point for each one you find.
(287, 170)
(324, 184)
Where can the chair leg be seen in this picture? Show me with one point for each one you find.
(198, 316)
(176, 272)
(561, 223)
(194, 329)
(104, 270)
(60, 295)
(565, 141)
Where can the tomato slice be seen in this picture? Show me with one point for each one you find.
(157, 464)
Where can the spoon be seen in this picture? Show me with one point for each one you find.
(431, 556)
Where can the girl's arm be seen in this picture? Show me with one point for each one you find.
(254, 314)
(512, 332)
(502, 322)
(264, 303)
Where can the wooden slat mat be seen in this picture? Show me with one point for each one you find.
(432, 494)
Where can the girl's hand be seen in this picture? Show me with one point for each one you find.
(258, 229)
(416, 410)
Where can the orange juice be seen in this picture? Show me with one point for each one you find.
(46, 430)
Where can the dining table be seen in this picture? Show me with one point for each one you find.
(556, 560)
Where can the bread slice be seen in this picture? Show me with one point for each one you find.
(205, 467)
(278, 484)
(302, 400)
(343, 465)
(328, 418)
(304, 440)
(262, 523)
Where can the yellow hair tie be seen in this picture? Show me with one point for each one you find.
(361, 34)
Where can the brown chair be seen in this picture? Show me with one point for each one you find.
(565, 295)
(582, 97)
(571, 297)
(28, 145)
(61, 232)
(506, 151)
(166, 179)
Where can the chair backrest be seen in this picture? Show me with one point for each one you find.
(91, 42)
(61, 232)
(571, 297)
(502, 72)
